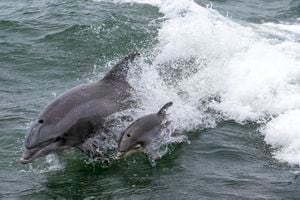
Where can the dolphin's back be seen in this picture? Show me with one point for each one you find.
(97, 98)
(83, 108)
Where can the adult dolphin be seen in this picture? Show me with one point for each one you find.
(78, 113)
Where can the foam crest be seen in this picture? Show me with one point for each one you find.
(294, 28)
(243, 72)
(258, 83)
(194, 31)
(213, 68)
(284, 135)
(153, 92)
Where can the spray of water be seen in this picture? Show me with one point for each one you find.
(213, 68)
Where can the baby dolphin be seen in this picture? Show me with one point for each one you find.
(137, 137)
(78, 113)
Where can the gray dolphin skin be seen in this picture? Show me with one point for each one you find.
(140, 133)
(78, 113)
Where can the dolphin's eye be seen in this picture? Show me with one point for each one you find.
(128, 135)
(41, 121)
(138, 146)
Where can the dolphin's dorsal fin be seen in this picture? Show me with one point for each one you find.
(119, 71)
(163, 110)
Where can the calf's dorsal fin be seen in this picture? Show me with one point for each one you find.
(164, 109)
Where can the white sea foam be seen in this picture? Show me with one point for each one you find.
(294, 28)
(244, 72)
(283, 133)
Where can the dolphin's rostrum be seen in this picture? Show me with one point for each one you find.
(78, 113)
(139, 135)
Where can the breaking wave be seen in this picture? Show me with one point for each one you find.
(214, 69)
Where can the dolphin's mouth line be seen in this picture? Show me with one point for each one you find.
(43, 144)
(123, 154)
(29, 155)
(120, 154)
(33, 153)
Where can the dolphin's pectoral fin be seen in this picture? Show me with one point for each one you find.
(120, 70)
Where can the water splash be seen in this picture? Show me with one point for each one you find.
(213, 68)
(52, 163)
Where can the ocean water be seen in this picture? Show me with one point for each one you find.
(231, 67)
